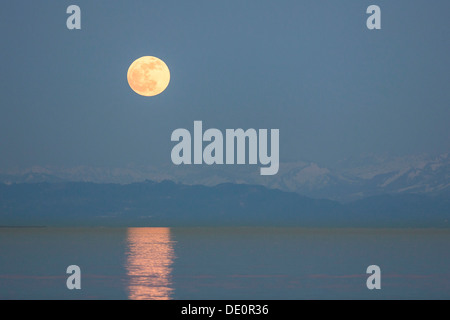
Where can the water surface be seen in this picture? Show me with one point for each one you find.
(224, 263)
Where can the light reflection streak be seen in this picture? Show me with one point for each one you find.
(149, 263)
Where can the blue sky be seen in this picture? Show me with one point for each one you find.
(309, 68)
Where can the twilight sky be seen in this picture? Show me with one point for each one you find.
(310, 68)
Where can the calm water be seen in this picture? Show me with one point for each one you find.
(224, 263)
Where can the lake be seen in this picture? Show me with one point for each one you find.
(224, 263)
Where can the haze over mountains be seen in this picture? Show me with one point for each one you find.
(169, 204)
(348, 180)
(364, 192)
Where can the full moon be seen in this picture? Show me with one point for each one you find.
(148, 76)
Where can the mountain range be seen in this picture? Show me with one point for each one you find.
(346, 181)
(173, 204)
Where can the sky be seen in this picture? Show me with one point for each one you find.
(309, 68)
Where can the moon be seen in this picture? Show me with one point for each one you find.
(148, 76)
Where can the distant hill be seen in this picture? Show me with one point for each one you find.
(170, 204)
(348, 180)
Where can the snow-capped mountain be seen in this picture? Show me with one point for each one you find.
(368, 176)
(348, 180)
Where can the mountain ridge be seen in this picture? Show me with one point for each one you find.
(168, 203)
(353, 179)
